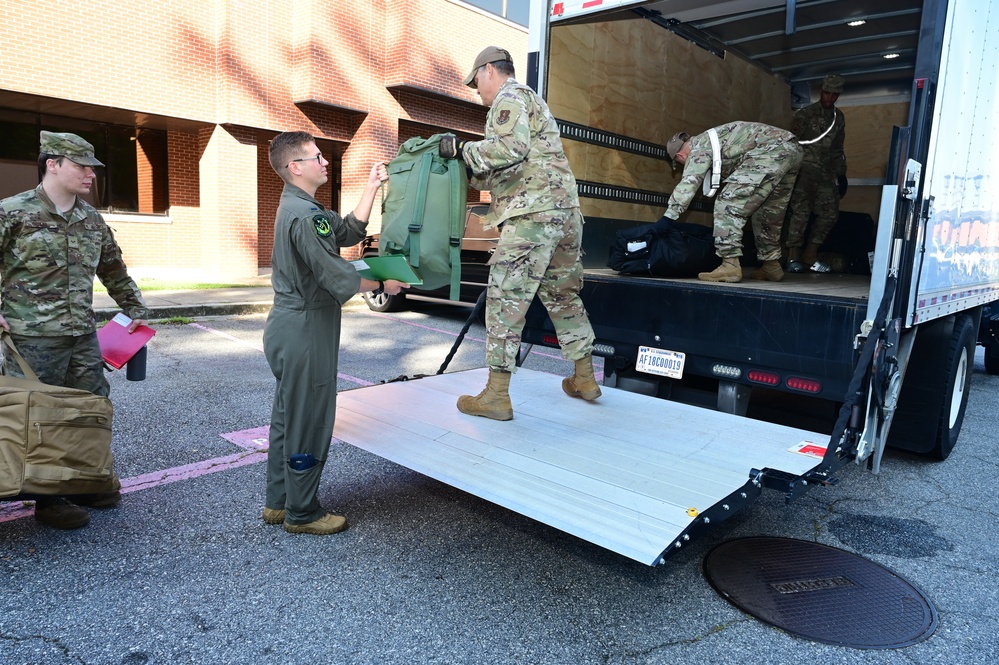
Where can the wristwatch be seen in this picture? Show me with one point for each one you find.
(380, 290)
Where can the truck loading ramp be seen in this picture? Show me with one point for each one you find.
(631, 473)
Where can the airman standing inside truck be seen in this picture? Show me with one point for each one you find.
(752, 168)
(821, 130)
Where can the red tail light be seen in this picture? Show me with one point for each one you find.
(766, 378)
(804, 385)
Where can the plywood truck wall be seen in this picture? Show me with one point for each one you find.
(634, 78)
(868, 141)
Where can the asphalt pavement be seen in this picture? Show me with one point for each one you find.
(185, 571)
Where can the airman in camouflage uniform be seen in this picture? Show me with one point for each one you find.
(52, 245)
(758, 166)
(821, 130)
(521, 162)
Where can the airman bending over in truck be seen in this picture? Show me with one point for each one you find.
(752, 166)
(821, 130)
(521, 162)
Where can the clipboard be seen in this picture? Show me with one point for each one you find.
(117, 344)
(391, 266)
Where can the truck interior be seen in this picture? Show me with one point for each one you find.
(748, 60)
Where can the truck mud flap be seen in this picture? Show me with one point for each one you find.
(637, 475)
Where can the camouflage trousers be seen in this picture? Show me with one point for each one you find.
(539, 255)
(813, 193)
(70, 362)
(758, 190)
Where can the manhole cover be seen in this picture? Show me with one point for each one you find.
(820, 593)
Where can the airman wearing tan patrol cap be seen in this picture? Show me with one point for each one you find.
(488, 54)
(520, 161)
(70, 146)
(63, 245)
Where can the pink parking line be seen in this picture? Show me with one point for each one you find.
(253, 442)
(252, 454)
(13, 511)
(188, 471)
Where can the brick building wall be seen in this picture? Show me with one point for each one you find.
(222, 77)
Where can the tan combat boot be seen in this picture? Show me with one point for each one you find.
(729, 271)
(582, 383)
(493, 402)
(770, 270)
(326, 525)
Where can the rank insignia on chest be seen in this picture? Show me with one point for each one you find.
(503, 117)
(322, 224)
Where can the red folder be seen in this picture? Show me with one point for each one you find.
(117, 345)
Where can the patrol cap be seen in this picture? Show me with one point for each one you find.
(833, 83)
(489, 54)
(674, 144)
(70, 146)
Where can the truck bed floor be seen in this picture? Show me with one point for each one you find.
(837, 285)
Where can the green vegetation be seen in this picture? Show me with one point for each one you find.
(176, 320)
(151, 284)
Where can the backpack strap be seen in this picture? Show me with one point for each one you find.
(455, 168)
(416, 224)
(21, 362)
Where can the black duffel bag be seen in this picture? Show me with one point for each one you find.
(664, 249)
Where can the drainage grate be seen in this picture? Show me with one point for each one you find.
(820, 593)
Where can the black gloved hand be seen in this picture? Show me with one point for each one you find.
(450, 147)
(841, 181)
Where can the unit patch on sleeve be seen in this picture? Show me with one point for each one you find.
(322, 224)
(504, 117)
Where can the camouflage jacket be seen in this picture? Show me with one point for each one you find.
(826, 156)
(48, 264)
(743, 144)
(521, 161)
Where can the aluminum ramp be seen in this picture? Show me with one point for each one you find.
(628, 472)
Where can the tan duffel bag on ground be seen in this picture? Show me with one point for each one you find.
(54, 441)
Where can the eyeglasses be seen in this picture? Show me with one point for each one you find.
(318, 158)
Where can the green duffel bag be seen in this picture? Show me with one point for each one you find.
(423, 213)
(54, 441)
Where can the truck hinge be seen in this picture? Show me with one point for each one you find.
(791, 485)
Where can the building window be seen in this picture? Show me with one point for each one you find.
(515, 11)
(135, 177)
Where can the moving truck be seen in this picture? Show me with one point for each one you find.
(695, 420)
(622, 77)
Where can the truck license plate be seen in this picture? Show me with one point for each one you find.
(660, 361)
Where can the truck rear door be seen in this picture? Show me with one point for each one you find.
(957, 266)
